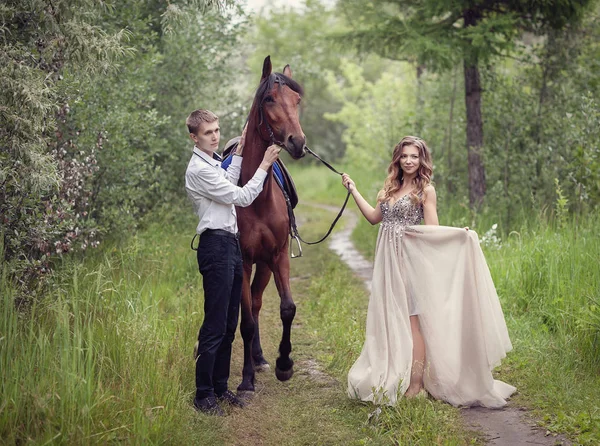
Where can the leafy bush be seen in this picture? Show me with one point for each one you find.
(92, 133)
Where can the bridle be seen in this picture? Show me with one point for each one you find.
(294, 233)
(269, 128)
(261, 114)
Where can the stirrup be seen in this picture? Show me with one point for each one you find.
(292, 238)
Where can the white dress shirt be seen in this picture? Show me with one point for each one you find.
(214, 192)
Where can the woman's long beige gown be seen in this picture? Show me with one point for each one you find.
(440, 274)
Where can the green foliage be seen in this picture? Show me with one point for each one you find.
(107, 357)
(92, 122)
(561, 206)
(377, 114)
(182, 13)
(141, 111)
(438, 36)
(441, 34)
(40, 43)
(549, 274)
(542, 124)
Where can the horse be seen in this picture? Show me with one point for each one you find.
(264, 225)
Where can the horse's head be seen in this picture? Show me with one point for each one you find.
(278, 98)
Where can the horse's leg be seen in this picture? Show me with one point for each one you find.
(281, 272)
(262, 275)
(247, 327)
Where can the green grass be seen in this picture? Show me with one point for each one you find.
(549, 282)
(105, 355)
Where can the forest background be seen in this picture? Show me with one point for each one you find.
(93, 146)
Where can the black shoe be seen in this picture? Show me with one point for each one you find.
(231, 399)
(208, 406)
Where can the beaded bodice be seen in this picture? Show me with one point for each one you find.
(401, 214)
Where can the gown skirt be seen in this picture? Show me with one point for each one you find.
(440, 274)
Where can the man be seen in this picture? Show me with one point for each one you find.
(214, 194)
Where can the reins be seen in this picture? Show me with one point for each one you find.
(294, 229)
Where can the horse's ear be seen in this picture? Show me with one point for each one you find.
(267, 68)
(287, 71)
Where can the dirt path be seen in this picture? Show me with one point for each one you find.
(296, 412)
(506, 427)
(306, 410)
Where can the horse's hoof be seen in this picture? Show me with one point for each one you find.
(262, 366)
(196, 350)
(245, 395)
(284, 375)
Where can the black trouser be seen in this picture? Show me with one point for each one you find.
(220, 263)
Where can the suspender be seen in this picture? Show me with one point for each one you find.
(214, 154)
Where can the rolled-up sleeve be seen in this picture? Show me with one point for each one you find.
(208, 183)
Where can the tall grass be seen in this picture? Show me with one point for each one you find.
(548, 279)
(551, 274)
(106, 355)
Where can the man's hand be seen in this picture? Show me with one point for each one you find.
(271, 155)
(240, 148)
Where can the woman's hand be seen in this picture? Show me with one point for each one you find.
(240, 147)
(348, 183)
(372, 214)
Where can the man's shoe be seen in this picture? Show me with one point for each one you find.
(208, 406)
(230, 398)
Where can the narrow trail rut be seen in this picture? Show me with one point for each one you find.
(505, 427)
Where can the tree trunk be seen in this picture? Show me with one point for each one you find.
(474, 123)
(474, 136)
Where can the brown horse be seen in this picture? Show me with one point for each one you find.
(264, 225)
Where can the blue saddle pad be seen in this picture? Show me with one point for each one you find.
(227, 162)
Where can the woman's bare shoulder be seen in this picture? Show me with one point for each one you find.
(429, 189)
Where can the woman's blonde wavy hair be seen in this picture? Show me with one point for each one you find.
(394, 180)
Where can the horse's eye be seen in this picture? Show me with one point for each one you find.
(269, 99)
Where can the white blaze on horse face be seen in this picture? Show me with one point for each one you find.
(409, 159)
(208, 136)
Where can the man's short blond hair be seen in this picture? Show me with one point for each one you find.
(197, 117)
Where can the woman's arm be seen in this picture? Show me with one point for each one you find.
(372, 214)
(430, 206)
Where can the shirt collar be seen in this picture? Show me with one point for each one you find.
(207, 158)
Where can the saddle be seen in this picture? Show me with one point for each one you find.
(282, 175)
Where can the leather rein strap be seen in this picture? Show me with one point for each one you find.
(294, 233)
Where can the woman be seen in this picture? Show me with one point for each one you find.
(434, 320)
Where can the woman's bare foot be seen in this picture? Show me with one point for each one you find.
(413, 391)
